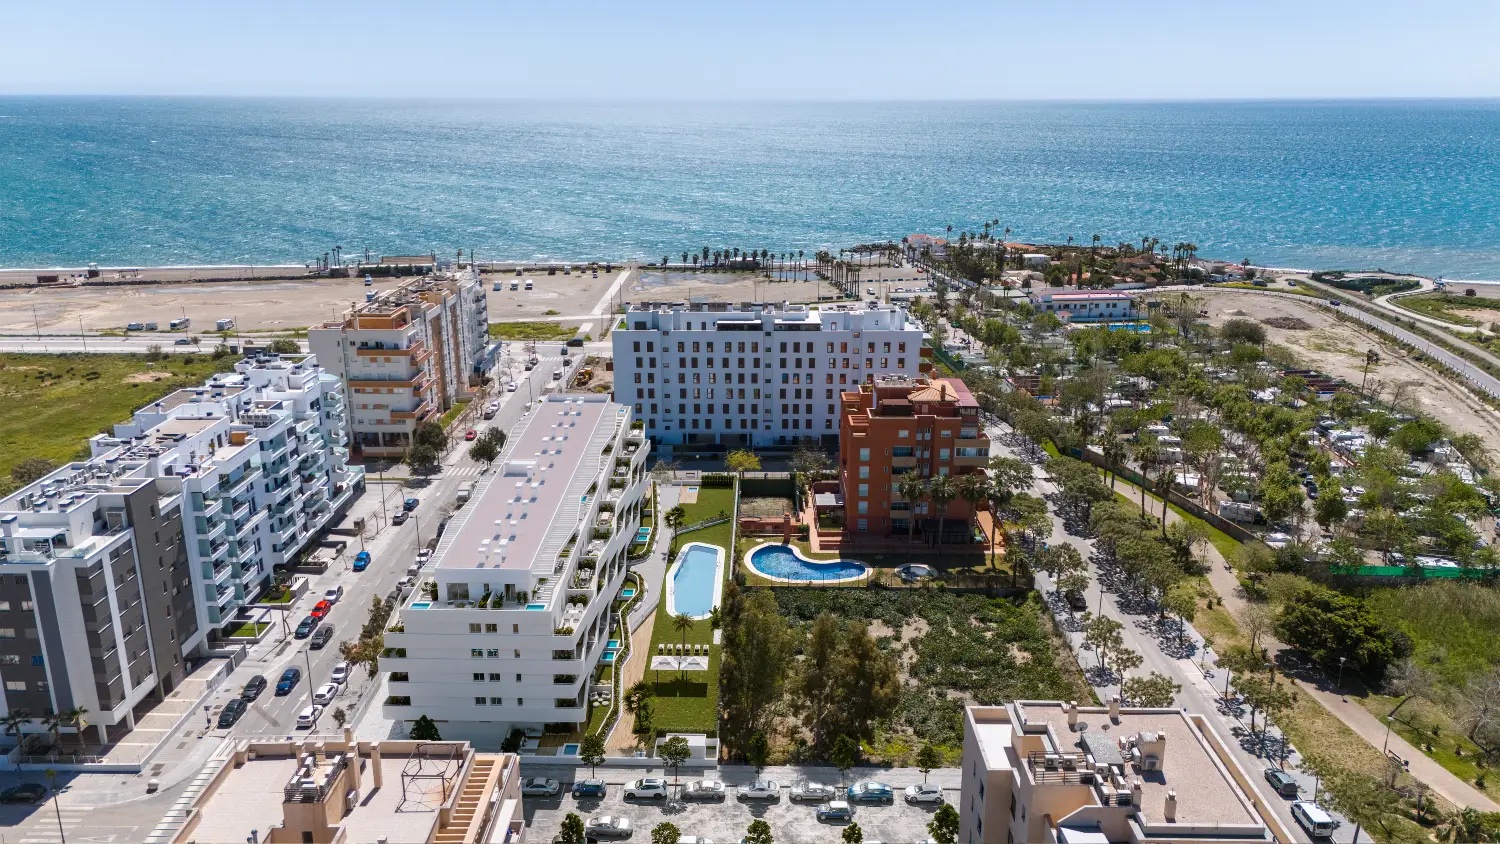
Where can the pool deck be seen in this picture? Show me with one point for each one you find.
(796, 552)
(671, 579)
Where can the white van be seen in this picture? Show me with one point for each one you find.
(465, 492)
(528, 284)
(1318, 823)
(516, 285)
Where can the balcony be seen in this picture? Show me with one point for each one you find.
(212, 508)
(269, 457)
(971, 457)
(220, 574)
(217, 551)
(241, 485)
(223, 596)
(419, 413)
(908, 462)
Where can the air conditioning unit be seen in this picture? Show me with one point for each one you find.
(1151, 763)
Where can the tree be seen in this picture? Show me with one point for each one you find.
(663, 471)
(487, 448)
(665, 832)
(1327, 625)
(944, 825)
(758, 832)
(284, 346)
(1263, 694)
(1364, 800)
(1103, 635)
(741, 461)
(1153, 690)
(941, 491)
(423, 729)
(431, 434)
(14, 720)
(809, 462)
(844, 754)
(1243, 331)
(756, 660)
(422, 458)
(31, 470)
(154, 352)
(340, 716)
(675, 517)
(591, 751)
(674, 751)
(682, 624)
(853, 834)
(758, 751)
(572, 831)
(1256, 620)
(1330, 507)
(928, 757)
(913, 488)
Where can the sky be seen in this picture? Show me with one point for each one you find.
(755, 49)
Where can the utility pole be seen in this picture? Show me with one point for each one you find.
(81, 335)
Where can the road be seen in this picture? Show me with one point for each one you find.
(102, 344)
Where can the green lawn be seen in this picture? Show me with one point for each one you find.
(240, 630)
(1442, 306)
(531, 331)
(452, 413)
(53, 403)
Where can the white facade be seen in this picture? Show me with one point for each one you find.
(1086, 305)
(762, 375)
(510, 622)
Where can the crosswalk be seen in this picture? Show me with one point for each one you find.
(464, 471)
(44, 829)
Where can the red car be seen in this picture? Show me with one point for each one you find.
(471, 434)
(321, 609)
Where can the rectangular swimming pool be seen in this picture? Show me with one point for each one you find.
(693, 583)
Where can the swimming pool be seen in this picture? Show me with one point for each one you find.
(642, 533)
(786, 564)
(696, 582)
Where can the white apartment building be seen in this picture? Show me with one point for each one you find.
(1086, 305)
(406, 355)
(754, 375)
(510, 623)
(1054, 771)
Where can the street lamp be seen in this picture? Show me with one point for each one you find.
(1384, 748)
(51, 776)
(1341, 677)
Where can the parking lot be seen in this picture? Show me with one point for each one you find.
(725, 822)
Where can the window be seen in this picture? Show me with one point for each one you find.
(520, 701)
(492, 628)
(864, 507)
(497, 701)
(493, 653)
(4, 605)
(942, 454)
(481, 701)
(864, 472)
(494, 677)
(518, 678)
(7, 632)
(474, 628)
(1013, 804)
(864, 490)
(864, 455)
(479, 676)
(15, 685)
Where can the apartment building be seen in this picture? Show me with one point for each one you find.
(898, 424)
(333, 789)
(510, 623)
(405, 356)
(1086, 305)
(1057, 772)
(725, 376)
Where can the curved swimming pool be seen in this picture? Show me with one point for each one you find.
(786, 564)
(696, 582)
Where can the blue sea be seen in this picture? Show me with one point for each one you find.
(1400, 185)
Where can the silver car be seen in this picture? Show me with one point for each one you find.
(540, 787)
(606, 826)
(813, 792)
(704, 790)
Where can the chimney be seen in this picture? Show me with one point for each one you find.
(1135, 791)
(375, 772)
(1170, 810)
(1114, 708)
(1072, 708)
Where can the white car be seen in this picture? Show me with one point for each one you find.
(510, 387)
(308, 717)
(340, 674)
(924, 793)
(761, 790)
(646, 788)
(540, 787)
(704, 790)
(333, 595)
(326, 693)
(813, 792)
(423, 556)
(605, 826)
(693, 839)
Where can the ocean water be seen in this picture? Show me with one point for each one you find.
(1400, 185)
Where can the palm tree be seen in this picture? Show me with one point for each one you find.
(684, 259)
(14, 720)
(941, 491)
(1147, 452)
(974, 490)
(682, 624)
(913, 488)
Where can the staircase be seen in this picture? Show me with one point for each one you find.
(468, 814)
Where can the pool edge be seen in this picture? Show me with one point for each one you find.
(797, 552)
(671, 580)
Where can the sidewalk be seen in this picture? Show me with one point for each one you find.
(652, 572)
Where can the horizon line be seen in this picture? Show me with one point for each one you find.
(585, 100)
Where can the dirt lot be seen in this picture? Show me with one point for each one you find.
(1339, 349)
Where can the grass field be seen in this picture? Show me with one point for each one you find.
(1442, 306)
(531, 331)
(53, 403)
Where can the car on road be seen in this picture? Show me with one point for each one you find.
(423, 556)
(591, 788)
(28, 792)
(761, 790)
(289, 680)
(321, 637)
(869, 791)
(326, 693)
(182, 341)
(339, 674)
(646, 788)
(1076, 600)
(253, 688)
(333, 595)
(607, 826)
(510, 387)
(835, 810)
(704, 790)
(362, 561)
(923, 793)
(320, 609)
(1281, 782)
(471, 434)
(540, 787)
(400, 517)
(231, 713)
(308, 717)
(410, 504)
(305, 627)
(813, 792)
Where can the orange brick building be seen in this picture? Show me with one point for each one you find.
(899, 424)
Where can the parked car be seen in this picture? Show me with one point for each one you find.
(607, 826)
(253, 688)
(646, 788)
(540, 787)
(305, 627)
(869, 791)
(400, 517)
(510, 387)
(923, 793)
(326, 693)
(231, 713)
(1281, 782)
(410, 504)
(423, 556)
(321, 637)
(761, 790)
(288, 681)
(1076, 600)
(592, 788)
(333, 595)
(308, 717)
(835, 810)
(471, 434)
(28, 792)
(362, 561)
(813, 792)
(704, 790)
(339, 674)
(320, 609)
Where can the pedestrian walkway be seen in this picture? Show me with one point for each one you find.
(651, 572)
(44, 828)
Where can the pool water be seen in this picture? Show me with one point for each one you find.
(612, 644)
(642, 534)
(421, 605)
(779, 561)
(570, 750)
(694, 579)
(627, 593)
(536, 606)
(609, 657)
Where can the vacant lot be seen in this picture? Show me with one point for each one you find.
(531, 331)
(52, 403)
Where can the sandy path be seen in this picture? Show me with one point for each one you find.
(621, 740)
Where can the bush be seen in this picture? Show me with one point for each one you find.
(1328, 626)
(717, 480)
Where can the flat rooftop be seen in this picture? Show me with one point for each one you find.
(512, 515)
(1206, 791)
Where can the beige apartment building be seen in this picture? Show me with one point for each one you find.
(405, 356)
(1048, 771)
(334, 790)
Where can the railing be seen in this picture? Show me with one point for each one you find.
(1053, 768)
